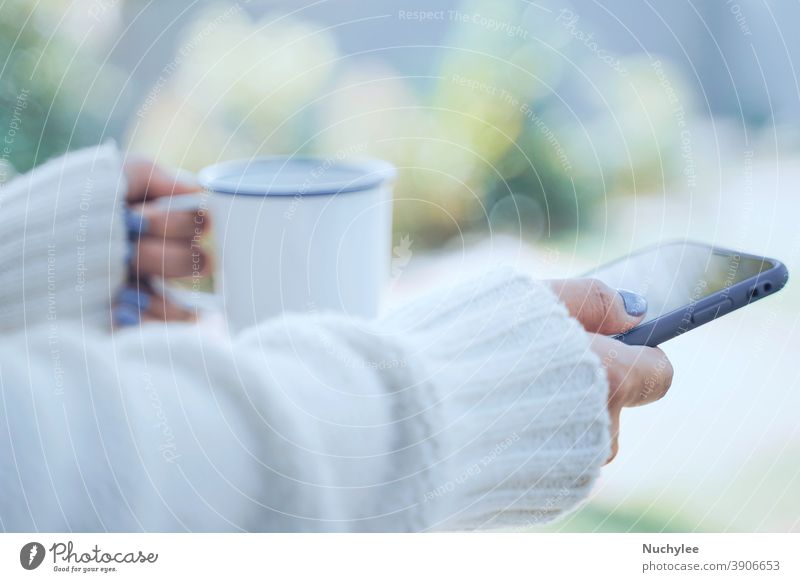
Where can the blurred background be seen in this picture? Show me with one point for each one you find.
(553, 135)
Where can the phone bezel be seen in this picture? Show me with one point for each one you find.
(679, 321)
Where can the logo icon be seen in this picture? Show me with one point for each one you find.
(31, 555)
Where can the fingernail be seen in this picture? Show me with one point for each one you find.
(133, 297)
(129, 250)
(136, 223)
(125, 315)
(635, 304)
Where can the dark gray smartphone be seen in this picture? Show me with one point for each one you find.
(688, 284)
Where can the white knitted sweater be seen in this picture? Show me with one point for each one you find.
(479, 406)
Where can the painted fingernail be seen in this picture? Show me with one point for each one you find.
(126, 315)
(129, 251)
(635, 304)
(133, 297)
(136, 223)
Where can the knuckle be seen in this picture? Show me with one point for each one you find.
(664, 369)
(658, 378)
(600, 297)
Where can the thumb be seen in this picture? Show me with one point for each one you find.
(148, 181)
(600, 308)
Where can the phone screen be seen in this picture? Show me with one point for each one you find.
(675, 275)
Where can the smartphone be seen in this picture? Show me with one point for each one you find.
(687, 284)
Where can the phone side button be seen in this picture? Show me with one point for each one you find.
(712, 311)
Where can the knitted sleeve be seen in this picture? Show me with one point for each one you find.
(477, 407)
(516, 403)
(62, 242)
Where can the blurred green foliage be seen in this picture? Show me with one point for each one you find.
(482, 135)
(486, 135)
(46, 87)
(628, 517)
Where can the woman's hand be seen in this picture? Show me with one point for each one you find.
(636, 375)
(163, 243)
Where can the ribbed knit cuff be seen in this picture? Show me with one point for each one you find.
(62, 241)
(523, 426)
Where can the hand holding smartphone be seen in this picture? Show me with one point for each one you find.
(688, 284)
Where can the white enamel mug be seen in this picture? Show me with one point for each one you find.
(299, 235)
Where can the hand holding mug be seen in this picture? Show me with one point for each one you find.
(162, 243)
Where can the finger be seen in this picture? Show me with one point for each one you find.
(600, 308)
(614, 433)
(162, 309)
(136, 305)
(125, 316)
(147, 181)
(130, 304)
(146, 219)
(637, 375)
(618, 359)
(612, 356)
(152, 256)
(655, 377)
